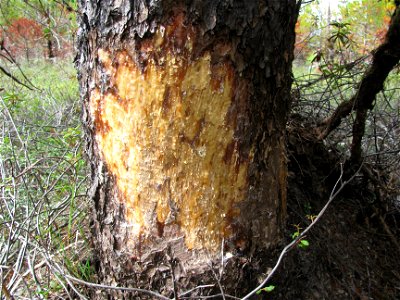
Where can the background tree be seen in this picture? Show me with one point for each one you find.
(55, 20)
(185, 111)
(23, 37)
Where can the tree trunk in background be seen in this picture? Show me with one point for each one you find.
(50, 52)
(185, 105)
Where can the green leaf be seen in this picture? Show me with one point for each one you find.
(267, 289)
(304, 244)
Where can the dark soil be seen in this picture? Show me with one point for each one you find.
(354, 249)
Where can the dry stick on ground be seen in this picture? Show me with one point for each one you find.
(385, 58)
(107, 287)
(335, 191)
(182, 295)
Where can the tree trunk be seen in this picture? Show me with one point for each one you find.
(50, 52)
(185, 105)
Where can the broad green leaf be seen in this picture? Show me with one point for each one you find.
(304, 244)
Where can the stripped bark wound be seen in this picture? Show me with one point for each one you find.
(185, 106)
(166, 136)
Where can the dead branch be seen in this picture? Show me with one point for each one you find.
(11, 59)
(14, 78)
(124, 289)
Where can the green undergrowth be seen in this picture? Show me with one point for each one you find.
(43, 205)
(319, 88)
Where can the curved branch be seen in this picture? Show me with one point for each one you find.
(14, 78)
(11, 59)
(385, 58)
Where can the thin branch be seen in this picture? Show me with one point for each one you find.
(15, 78)
(38, 266)
(213, 297)
(12, 59)
(117, 288)
(218, 282)
(195, 288)
(172, 263)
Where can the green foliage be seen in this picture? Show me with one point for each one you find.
(341, 34)
(267, 289)
(46, 33)
(43, 173)
(356, 28)
(368, 22)
(303, 243)
(86, 270)
(48, 20)
(44, 176)
(12, 100)
(295, 234)
(11, 10)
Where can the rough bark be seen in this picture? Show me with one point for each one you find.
(185, 105)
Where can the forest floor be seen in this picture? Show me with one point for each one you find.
(354, 249)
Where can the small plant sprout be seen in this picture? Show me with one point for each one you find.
(302, 243)
(297, 232)
(311, 217)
